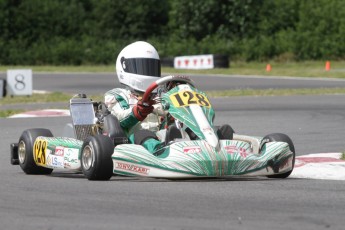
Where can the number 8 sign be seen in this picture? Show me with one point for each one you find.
(19, 82)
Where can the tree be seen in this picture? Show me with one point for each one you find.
(134, 19)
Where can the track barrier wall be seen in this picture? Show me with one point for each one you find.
(205, 61)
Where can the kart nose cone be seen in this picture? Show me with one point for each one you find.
(212, 139)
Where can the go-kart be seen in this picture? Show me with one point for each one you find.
(95, 143)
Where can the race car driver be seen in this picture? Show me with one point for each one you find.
(137, 66)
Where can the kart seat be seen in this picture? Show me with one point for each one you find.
(113, 128)
(172, 133)
(142, 135)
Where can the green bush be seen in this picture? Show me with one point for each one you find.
(77, 32)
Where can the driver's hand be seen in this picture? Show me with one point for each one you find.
(172, 84)
(141, 111)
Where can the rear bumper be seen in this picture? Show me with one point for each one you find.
(14, 154)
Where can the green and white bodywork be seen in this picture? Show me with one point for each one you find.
(198, 159)
(208, 156)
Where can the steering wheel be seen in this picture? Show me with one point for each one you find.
(162, 81)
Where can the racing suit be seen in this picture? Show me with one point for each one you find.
(120, 103)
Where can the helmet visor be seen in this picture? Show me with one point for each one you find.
(142, 66)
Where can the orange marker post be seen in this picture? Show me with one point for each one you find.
(268, 68)
(328, 66)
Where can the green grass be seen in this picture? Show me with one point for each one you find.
(292, 69)
(296, 69)
(44, 98)
(343, 156)
(64, 69)
(10, 112)
(36, 98)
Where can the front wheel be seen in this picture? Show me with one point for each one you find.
(96, 162)
(280, 137)
(25, 151)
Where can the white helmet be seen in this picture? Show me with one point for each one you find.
(138, 65)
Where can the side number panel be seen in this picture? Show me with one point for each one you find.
(40, 148)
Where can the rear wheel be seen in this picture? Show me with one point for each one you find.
(225, 132)
(274, 137)
(25, 151)
(96, 162)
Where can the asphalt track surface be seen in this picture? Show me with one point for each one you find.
(95, 83)
(66, 200)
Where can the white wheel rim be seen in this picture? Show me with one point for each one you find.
(87, 157)
(21, 152)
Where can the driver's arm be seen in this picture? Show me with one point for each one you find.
(118, 105)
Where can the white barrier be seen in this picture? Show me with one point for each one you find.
(19, 82)
(194, 62)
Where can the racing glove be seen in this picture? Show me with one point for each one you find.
(141, 111)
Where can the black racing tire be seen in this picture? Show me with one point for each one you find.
(96, 162)
(281, 138)
(225, 132)
(25, 151)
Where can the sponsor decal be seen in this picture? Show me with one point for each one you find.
(191, 149)
(184, 87)
(48, 160)
(132, 168)
(55, 161)
(71, 158)
(208, 129)
(59, 151)
(230, 149)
